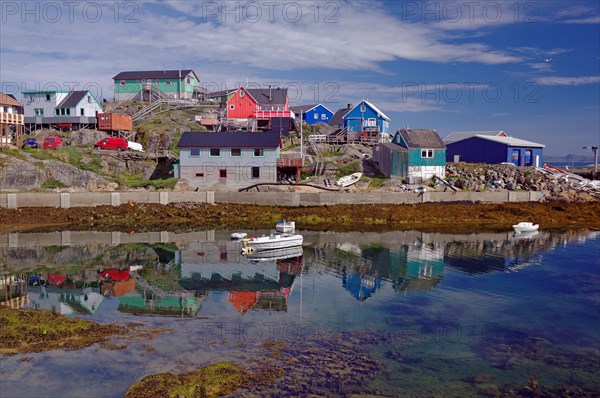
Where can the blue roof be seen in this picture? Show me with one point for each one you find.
(224, 139)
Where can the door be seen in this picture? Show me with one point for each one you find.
(528, 158)
(516, 156)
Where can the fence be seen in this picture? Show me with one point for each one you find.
(90, 199)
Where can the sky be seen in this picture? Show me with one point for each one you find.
(529, 68)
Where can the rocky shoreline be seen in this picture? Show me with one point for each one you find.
(449, 217)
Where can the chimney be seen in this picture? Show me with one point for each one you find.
(270, 96)
(349, 106)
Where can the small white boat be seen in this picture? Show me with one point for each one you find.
(238, 235)
(348, 180)
(285, 226)
(135, 268)
(273, 241)
(525, 227)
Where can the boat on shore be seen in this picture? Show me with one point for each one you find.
(285, 226)
(273, 241)
(346, 181)
(525, 227)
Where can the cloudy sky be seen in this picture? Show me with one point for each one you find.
(530, 68)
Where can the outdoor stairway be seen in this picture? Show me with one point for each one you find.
(165, 105)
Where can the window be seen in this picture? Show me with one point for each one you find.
(236, 152)
(169, 83)
(255, 172)
(38, 111)
(122, 82)
(82, 111)
(68, 111)
(528, 158)
(31, 98)
(157, 82)
(232, 107)
(57, 112)
(200, 175)
(222, 173)
(47, 97)
(363, 108)
(241, 93)
(316, 116)
(426, 153)
(215, 152)
(324, 116)
(259, 152)
(194, 152)
(89, 99)
(189, 80)
(62, 111)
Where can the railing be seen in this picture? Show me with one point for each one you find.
(11, 118)
(269, 114)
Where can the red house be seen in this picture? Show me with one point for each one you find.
(258, 103)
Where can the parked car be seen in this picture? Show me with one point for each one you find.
(112, 143)
(52, 141)
(30, 143)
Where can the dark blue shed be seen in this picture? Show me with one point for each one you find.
(495, 149)
(313, 114)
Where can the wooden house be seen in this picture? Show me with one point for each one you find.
(493, 149)
(11, 121)
(365, 120)
(414, 154)
(228, 160)
(60, 109)
(154, 85)
(254, 103)
(313, 114)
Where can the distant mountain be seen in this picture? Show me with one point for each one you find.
(569, 158)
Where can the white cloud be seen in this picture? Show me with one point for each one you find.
(567, 81)
(587, 20)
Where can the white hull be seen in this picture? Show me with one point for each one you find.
(275, 241)
(348, 180)
(276, 254)
(238, 235)
(525, 227)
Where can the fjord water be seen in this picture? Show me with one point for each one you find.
(393, 314)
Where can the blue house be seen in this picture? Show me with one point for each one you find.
(228, 160)
(482, 148)
(313, 114)
(414, 154)
(365, 120)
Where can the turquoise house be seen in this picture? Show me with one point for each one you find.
(415, 155)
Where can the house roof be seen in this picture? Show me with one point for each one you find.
(421, 138)
(379, 113)
(155, 74)
(462, 135)
(510, 141)
(6, 99)
(393, 147)
(72, 99)
(223, 139)
(338, 117)
(306, 108)
(266, 96)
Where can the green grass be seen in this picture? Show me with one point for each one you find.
(13, 152)
(346, 169)
(137, 181)
(53, 184)
(329, 154)
(374, 182)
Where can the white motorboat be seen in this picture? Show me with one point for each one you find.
(285, 226)
(273, 241)
(276, 254)
(525, 227)
(348, 180)
(238, 235)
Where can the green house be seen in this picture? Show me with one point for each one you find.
(415, 155)
(157, 84)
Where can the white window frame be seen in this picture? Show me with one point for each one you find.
(427, 153)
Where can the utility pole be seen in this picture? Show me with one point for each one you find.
(595, 150)
(301, 152)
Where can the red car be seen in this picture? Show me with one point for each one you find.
(52, 142)
(114, 274)
(120, 144)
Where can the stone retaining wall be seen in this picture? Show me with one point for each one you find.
(88, 199)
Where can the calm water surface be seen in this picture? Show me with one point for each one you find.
(392, 314)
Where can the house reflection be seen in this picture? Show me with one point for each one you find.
(64, 301)
(261, 281)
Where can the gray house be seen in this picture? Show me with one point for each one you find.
(227, 160)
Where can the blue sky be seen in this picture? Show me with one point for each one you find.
(529, 68)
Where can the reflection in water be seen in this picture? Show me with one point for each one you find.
(453, 308)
